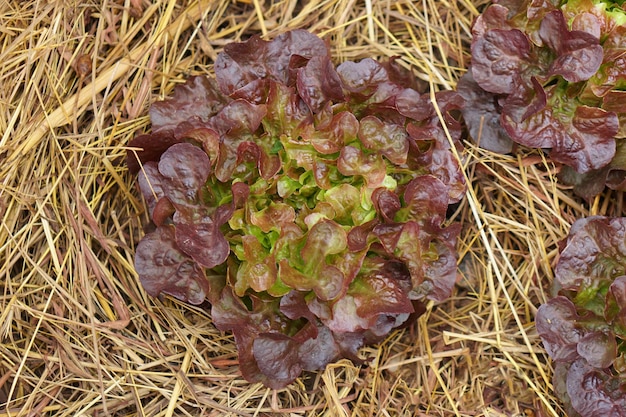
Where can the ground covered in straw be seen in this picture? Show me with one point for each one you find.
(79, 336)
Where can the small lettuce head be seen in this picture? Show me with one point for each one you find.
(306, 202)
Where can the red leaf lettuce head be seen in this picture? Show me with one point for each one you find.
(584, 328)
(552, 75)
(306, 202)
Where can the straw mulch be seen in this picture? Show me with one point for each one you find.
(80, 337)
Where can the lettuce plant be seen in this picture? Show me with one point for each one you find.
(584, 328)
(305, 202)
(552, 74)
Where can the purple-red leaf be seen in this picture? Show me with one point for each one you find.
(362, 77)
(317, 352)
(615, 309)
(150, 183)
(150, 147)
(386, 203)
(203, 241)
(599, 349)
(582, 137)
(277, 357)
(594, 393)
(440, 266)
(389, 140)
(371, 300)
(482, 116)
(579, 53)
(238, 117)
(438, 156)
(494, 17)
(246, 62)
(426, 201)
(163, 268)
(196, 99)
(318, 83)
(185, 169)
(411, 104)
(595, 253)
(498, 58)
(556, 325)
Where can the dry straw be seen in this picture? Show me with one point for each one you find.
(78, 335)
